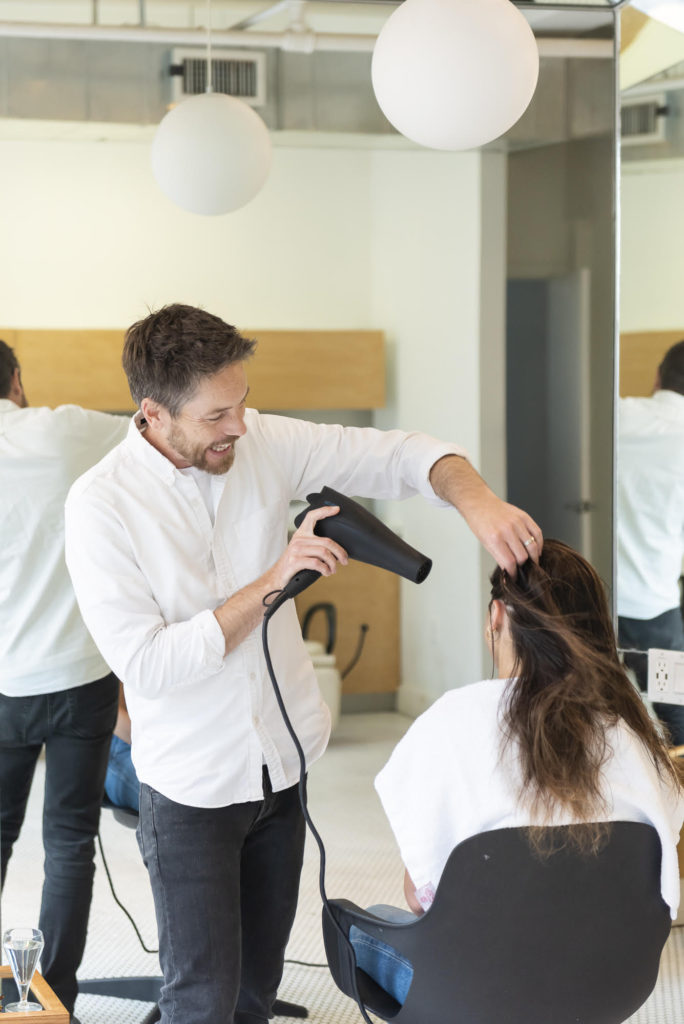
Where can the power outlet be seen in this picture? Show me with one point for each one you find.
(666, 676)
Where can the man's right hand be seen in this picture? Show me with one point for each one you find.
(243, 612)
(306, 550)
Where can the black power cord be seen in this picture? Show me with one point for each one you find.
(270, 608)
(116, 898)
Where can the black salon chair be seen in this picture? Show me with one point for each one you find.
(147, 988)
(522, 939)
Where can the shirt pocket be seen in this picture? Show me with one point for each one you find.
(258, 540)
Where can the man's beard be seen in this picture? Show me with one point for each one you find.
(197, 455)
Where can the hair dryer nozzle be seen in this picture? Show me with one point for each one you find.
(365, 538)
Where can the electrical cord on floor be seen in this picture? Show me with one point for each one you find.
(304, 963)
(302, 790)
(116, 898)
(299, 963)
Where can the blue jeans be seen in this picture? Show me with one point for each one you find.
(225, 882)
(665, 631)
(75, 726)
(121, 782)
(378, 959)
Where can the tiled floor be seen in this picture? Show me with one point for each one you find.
(362, 865)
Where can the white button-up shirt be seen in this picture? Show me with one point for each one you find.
(149, 568)
(44, 645)
(650, 504)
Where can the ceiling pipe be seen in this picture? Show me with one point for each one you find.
(294, 41)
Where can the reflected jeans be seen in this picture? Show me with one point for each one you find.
(121, 782)
(665, 631)
(75, 726)
(378, 959)
(225, 882)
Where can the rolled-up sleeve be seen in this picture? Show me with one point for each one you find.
(120, 611)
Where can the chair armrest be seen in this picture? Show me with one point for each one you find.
(338, 917)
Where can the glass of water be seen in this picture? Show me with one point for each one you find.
(23, 947)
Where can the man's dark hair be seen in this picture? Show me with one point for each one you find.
(8, 364)
(671, 369)
(169, 352)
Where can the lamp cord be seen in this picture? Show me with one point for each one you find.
(210, 87)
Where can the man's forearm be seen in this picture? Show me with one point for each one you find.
(507, 532)
(243, 612)
(454, 479)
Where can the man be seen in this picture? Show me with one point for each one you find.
(650, 524)
(55, 689)
(173, 542)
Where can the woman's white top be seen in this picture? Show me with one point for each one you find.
(446, 781)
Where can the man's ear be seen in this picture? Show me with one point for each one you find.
(16, 390)
(155, 414)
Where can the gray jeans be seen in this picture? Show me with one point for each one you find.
(225, 882)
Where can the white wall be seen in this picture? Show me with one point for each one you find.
(652, 254)
(340, 237)
(426, 279)
(89, 240)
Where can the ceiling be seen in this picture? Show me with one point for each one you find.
(320, 16)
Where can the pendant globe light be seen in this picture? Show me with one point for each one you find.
(211, 154)
(454, 74)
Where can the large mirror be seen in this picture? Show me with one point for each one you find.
(649, 517)
(491, 272)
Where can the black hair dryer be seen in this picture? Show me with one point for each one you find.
(363, 537)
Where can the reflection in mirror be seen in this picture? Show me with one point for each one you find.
(650, 441)
(560, 307)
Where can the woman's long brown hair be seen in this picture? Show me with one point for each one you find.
(568, 688)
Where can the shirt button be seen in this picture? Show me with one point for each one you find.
(255, 720)
(252, 676)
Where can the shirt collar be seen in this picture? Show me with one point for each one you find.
(7, 405)
(146, 453)
(670, 399)
(670, 402)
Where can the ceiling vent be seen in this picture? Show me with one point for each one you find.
(643, 120)
(233, 72)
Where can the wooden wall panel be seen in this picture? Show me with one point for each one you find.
(641, 353)
(361, 593)
(291, 369)
(318, 370)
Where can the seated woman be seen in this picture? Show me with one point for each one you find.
(559, 737)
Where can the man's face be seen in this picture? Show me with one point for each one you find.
(206, 430)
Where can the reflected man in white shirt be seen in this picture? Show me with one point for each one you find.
(650, 524)
(173, 542)
(56, 690)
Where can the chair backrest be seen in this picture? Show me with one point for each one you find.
(516, 938)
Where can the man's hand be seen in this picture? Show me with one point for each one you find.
(506, 532)
(308, 551)
(243, 612)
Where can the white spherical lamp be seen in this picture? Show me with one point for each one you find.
(211, 154)
(455, 74)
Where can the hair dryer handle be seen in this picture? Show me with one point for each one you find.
(300, 581)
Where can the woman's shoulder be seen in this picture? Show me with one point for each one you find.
(485, 693)
(462, 711)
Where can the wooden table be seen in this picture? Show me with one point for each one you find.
(52, 1013)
